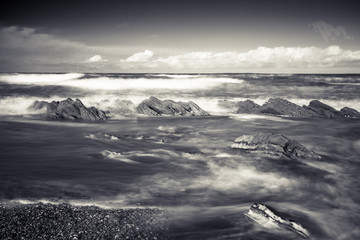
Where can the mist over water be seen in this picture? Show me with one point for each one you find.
(186, 165)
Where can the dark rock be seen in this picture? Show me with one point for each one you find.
(264, 216)
(156, 107)
(70, 110)
(247, 106)
(323, 109)
(275, 145)
(279, 106)
(349, 113)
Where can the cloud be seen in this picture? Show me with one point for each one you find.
(26, 49)
(263, 57)
(96, 58)
(140, 57)
(329, 32)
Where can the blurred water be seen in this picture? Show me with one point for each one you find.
(186, 166)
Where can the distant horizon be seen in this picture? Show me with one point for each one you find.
(192, 73)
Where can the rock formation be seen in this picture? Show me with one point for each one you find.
(70, 110)
(156, 107)
(247, 106)
(323, 109)
(349, 112)
(264, 216)
(275, 145)
(279, 106)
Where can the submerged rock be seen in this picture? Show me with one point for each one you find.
(70, 110)
(264, 216)
(156, 107)
(273, 145)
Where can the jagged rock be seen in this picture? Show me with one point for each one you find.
(247, 106)
(323, 109)
(271, 144)
(349, 113)
(70, 110)
(279, 106)
(156, 107)
(264, 216)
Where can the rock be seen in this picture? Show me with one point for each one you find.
(156, 107)
(247, 106)
(349, 113)
(279, 106)
(271, 144)
(264, 216)
(70, 110)
(323, 109)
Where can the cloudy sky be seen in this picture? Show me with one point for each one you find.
(180, 36)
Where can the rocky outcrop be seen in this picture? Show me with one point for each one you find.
(349, 112)
(247, 106)
(70, 110)
(156, 107)
(279, 106)
(274, 145)
(264, 216)
(323, 109)
(283, 107)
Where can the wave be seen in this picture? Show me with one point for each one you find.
(80, 80)
(39, 78)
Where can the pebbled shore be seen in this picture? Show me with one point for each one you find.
(65, 221)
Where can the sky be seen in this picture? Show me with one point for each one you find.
(180, 36)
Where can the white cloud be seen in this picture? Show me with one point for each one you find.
(140, 57)
(263, 57)
(329, 32)
(96, 58)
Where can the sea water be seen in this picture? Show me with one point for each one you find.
(185, 164)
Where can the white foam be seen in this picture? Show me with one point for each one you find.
(177, 82)
(40, 79)
(117, 156)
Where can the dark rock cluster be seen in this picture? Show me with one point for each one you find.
(271, 144)
(75, 110)
(64, 221)
(156, 107)
(70, 110)
(279, 106)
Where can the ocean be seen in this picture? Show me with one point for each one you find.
(185, 165)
